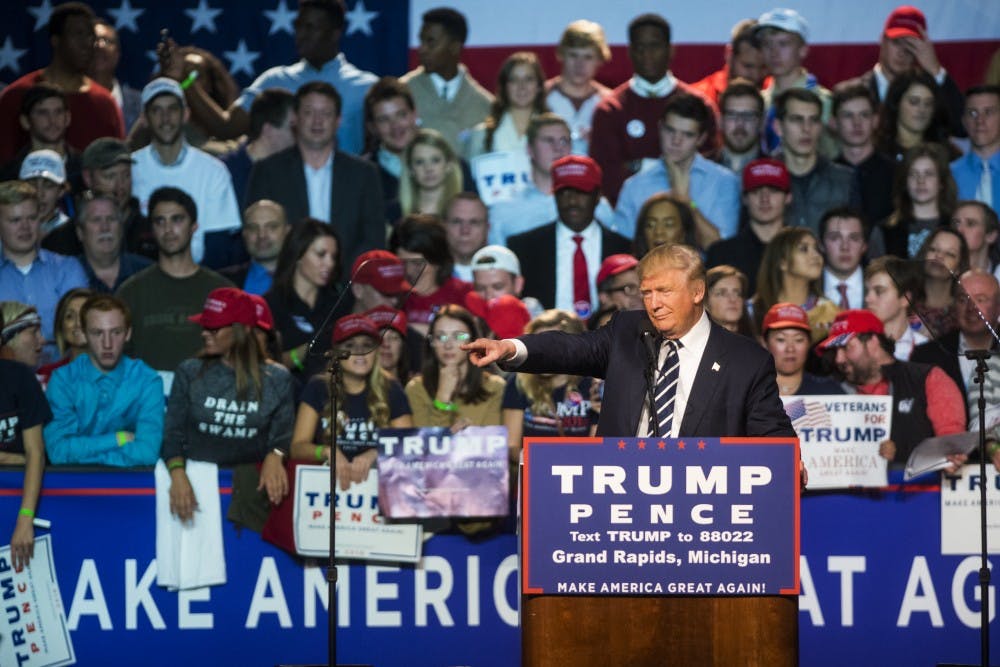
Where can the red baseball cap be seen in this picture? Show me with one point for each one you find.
(382, 270)
(576, 171)
(785, 316)
(386, 316)
(265, 320)
(766, 172)
(225, 306)
(850, 323)
(615, 264)
(349, 326)
(505, 315)
(905, 21)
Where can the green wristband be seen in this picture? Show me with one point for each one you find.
(319, 453)
(121, 438)
(175, 464)
(24, 511)
(189, 81)
(294, 356)
(444, 407)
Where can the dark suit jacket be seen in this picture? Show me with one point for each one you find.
(356, 212)
(735, 392)
(536, 248)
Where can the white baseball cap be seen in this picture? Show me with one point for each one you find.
(160, 86)
(45, 163)
(496, 257)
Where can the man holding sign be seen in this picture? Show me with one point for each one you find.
(864, 358)
(703, 380)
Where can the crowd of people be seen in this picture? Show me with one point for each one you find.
(176, 260)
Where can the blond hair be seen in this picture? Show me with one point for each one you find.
(582, 34)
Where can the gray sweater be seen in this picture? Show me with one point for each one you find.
(206, 422)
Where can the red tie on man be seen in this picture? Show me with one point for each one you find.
(844, 303)
(581, 279)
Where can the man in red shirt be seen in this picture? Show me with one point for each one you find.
(743, 61)
(864, 358)
(93, 112)
(624, 127)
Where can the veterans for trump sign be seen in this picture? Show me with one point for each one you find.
(634, 516)
(840, 438)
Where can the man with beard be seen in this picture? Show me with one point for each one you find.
(93, 112)
(264, 230)
(162, 296)
(99, 228)
(169, 160)
(864, 359)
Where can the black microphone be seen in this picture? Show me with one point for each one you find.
(651, 341)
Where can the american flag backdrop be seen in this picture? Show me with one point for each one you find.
(381, 35)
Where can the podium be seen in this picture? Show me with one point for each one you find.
(706, 530)
(659, 631)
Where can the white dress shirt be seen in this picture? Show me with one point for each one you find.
(855, 287)
(319, 187)
(565, 249)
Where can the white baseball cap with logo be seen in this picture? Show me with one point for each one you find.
(45, 163)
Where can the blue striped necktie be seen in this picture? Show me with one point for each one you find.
(666, 389)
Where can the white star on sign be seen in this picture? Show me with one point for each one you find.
(281, 19)
(125, 16)
(10, 57)
(41, 14)
(203, 17)
(359, 19)
(241, 60)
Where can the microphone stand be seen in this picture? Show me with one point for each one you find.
(980, 357)
(982, 368)
(334, 382)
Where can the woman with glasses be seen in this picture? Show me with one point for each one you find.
(228, 406)
(450, 391)
(368, 400)
(725, 298)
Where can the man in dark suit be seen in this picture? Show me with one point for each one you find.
(551, 255)
(313, 179)
(726, 383)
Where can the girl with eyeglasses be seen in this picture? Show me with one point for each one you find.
(368, 400)
(450, 391)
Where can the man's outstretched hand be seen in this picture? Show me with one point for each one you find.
(484, 351)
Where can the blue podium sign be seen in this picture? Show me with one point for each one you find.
(634, 516)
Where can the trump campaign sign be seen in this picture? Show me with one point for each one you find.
(635, 516)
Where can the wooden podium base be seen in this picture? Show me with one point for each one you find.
(659, 631)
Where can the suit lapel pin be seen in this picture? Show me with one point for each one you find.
(715, 366)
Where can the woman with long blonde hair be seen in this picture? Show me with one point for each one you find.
(431, 174)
